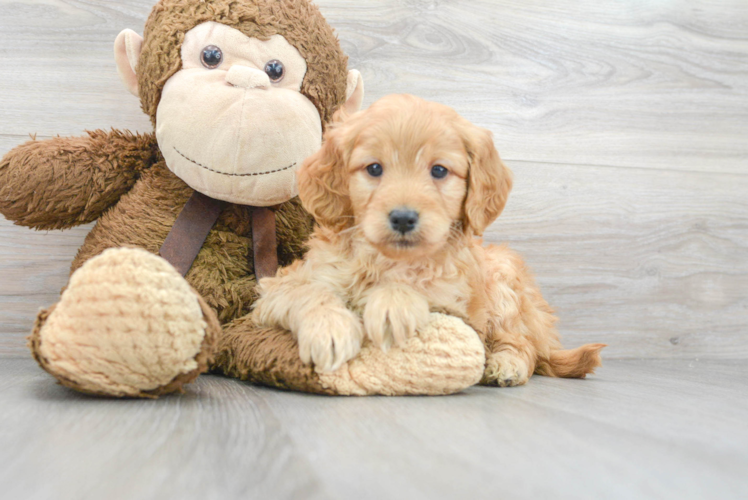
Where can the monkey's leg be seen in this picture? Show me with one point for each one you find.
(445, 357)
(127, 325)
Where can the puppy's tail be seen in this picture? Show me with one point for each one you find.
(571, 363)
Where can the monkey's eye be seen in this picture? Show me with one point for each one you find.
(439, 172)
(375, 170)
(211, 57)
(275, 70)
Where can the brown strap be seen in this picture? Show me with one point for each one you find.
(265, 245)
(190, 231)
(198, 217)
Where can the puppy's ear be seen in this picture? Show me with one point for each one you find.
(489, 181)
(323, 181)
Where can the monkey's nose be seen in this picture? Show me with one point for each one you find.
(403, 220)
(248, 78)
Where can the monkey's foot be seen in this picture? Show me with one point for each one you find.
(128, 325)
(445, 357)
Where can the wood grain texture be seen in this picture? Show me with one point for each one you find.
(59, 75)
(625, 124)
(602, 83)
(653, 262)
(218, 441)
(654, 429)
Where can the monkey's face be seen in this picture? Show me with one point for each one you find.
(232, 122)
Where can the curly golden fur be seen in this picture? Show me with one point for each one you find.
(369, 276)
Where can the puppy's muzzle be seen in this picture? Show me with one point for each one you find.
(403, 220)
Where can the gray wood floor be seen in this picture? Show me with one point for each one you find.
(626, 124)
(639, 429)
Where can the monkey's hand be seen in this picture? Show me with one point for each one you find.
(63, 182)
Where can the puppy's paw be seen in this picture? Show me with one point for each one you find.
(329, 337)
(392, 315)
(506, 369)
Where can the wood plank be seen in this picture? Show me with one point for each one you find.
(59, 74)
(637, 430)
(593, 82)
(218, 441)
(604, 83)
(651, 429)
(654, 263)
(34, 267)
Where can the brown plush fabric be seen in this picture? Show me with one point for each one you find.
(222, 273)
(67, 181)
(120, 180)
(299, 21)
(264, 356)
(190, 230)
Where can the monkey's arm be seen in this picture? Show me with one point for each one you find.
(67, 181)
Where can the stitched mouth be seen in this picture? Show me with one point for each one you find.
(251, 174)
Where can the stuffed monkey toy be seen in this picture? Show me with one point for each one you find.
(188, 217)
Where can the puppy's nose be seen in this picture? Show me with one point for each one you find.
(403, 220)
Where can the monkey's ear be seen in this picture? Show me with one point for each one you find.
(127, 48)
(354, 93)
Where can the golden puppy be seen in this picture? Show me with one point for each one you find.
(400, 191)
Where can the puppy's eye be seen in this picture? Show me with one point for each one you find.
(211, 57)
(439, 172)
(375, 170)
(275, 70)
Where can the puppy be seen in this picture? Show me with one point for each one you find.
(400, 192)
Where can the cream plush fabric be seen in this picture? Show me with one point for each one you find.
(444, 358)
(127, 49)
(224, 131)
(127, 323)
